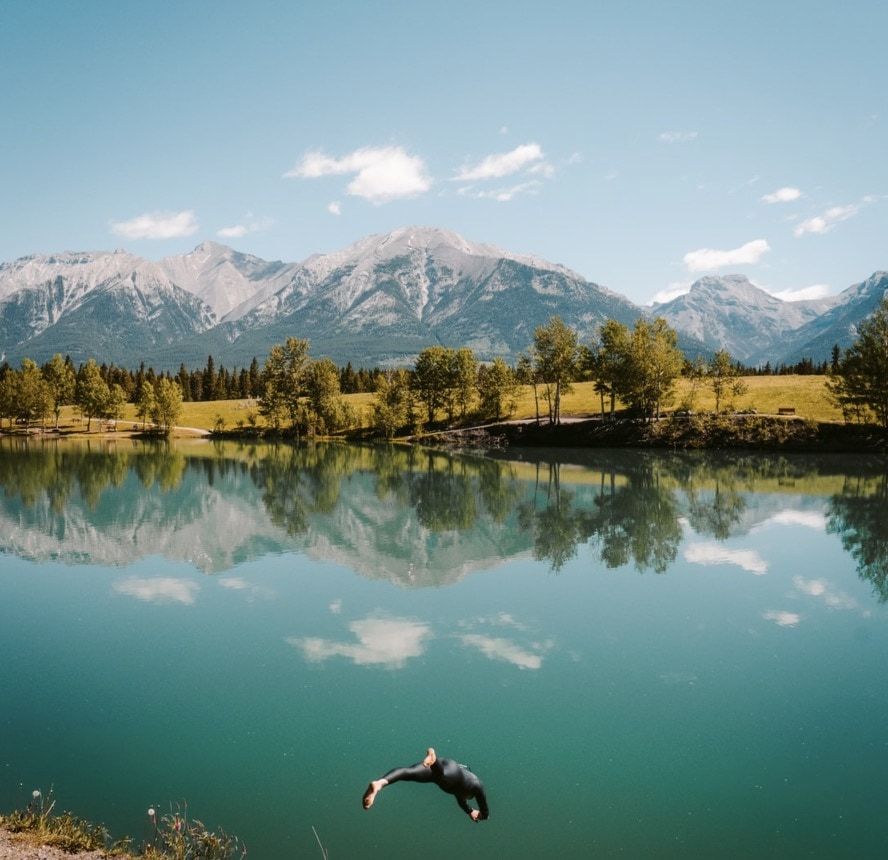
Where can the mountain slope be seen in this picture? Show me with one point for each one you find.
(839, 324)
(113, 307)
(385, 298)
(377, 302)
(731, 313)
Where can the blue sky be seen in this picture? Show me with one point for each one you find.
(642, 144)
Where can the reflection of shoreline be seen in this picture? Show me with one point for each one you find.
(416, 517)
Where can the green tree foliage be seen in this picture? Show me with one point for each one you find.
(283, 381)
(167, 404)
(145, 401)
(392, 404)
(724, 379)
(326, 411)
(433, 380)
(655, 365)
(61, 381)
(464, 371)
(497, 389)
(859, 383)
(609, 363)
(91, 392)
(556, 357)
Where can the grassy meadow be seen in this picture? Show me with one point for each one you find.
(765, 395)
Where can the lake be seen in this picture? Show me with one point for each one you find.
(641, 654)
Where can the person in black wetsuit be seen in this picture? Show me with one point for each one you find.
(448, 775)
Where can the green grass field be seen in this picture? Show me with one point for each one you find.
(765, 394)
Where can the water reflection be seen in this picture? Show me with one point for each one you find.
(421, 517)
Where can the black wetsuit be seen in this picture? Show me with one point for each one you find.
(449, 776)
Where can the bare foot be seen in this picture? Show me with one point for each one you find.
(430, 758)
(372, 789)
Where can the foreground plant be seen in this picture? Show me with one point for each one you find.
(65, 830)
(174, 836)
(180, 839)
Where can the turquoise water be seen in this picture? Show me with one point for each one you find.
(641, 656)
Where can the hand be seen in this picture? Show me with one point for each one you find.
(476, 816)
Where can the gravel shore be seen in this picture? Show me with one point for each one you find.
(18, 847)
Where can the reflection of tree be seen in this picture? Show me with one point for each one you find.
(638, 521)
(444, 494)
(630, 521)
(717, 512)
(857, 515)
(57, 469)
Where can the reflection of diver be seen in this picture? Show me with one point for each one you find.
(448, 775)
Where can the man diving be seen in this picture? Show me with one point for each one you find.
(448, 775)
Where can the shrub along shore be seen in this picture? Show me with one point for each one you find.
(716, 432)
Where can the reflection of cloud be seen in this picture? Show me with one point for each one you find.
(783, 619)
(161, 589)
(809, 519)
(237, 583)
(497, 648)
(336, 606)
(714, 553)
(386, 642)
(822, 589)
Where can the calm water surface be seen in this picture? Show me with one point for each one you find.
(642, 656)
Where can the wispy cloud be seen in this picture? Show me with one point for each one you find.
(381, 174)
(249, 225)
(160, 589)
(334, 207)
(828, 220)
(823, 590)
(707, 259)
(388, 642)
(502, 195)
(157, 225)
(677, 136)
(783, 195)
(502, 164)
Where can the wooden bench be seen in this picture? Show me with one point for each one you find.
(786, 410)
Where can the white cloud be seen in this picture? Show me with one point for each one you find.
(673, 291)
(705, 259)
(783, 619)
(161, 589)
(388, 642)
(251, 225)
(503, 195)
(503, 164)
(815, 291)
(381, 174)
(783, 195)
(709, 552)
(825, 222)
(334, 207)
(677, 136)
(157, 225)
(497, 648)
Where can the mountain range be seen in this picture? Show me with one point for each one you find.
(377, 303)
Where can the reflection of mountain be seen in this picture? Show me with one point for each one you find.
(408, 515)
